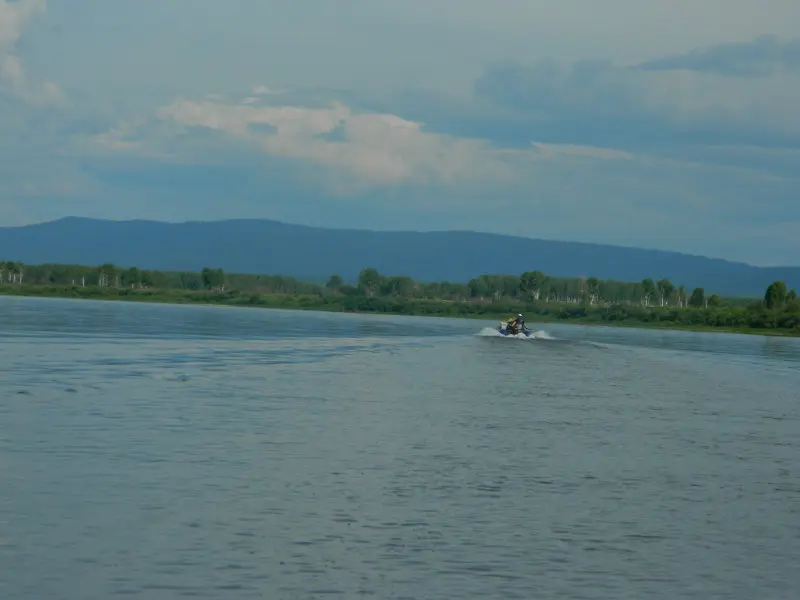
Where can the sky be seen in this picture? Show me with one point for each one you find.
(669, 124)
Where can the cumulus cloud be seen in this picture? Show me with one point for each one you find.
(384, 150)
(14, 17)
(347, 151)
(369, 148)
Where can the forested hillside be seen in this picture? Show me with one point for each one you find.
(308, 253)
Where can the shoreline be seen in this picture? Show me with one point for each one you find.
(278, 302)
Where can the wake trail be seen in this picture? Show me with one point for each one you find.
(537, 335)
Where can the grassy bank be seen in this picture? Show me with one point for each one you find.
(718, 319)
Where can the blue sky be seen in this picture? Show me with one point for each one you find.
(666, 124)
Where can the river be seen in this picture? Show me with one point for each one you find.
(160, 451)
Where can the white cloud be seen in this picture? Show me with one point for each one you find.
(354, 150)
(262, 90)
(358, 150)
(14, 17)
(561, 150)
(374, 149)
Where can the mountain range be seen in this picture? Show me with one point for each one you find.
(313, 253)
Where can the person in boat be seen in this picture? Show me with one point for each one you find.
(515, 324)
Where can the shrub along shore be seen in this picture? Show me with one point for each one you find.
(648, 303)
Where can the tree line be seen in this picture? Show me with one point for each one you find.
(529, 286)
(113, 277)
(534, 286)
(649, 300)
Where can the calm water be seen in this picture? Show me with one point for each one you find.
(163, 452)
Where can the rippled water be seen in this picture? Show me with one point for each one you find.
(156, 451)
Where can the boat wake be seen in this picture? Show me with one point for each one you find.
(536, 335)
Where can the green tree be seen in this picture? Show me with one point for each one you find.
(188, 281)
(148, 279)
(478, 288)
(698, 297)
(682, 296)
(665, 289)
(369, 281)
(593, 289)
(132, 277)
(106, 275)
(776, 294)
(401, 286)
(660, 291)
(213, 279)
(335, 283)
(648, 291)
(8, 272)
(531, 283)
(792, 303)
(715, 301)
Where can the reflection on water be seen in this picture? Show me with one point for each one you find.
(780, 348)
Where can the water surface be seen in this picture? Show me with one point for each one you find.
(157, 451)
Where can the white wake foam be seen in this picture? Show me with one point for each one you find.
(537, 335)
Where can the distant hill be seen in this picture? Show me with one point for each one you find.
(271, 247)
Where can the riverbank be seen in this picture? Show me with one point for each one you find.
(667, 318)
